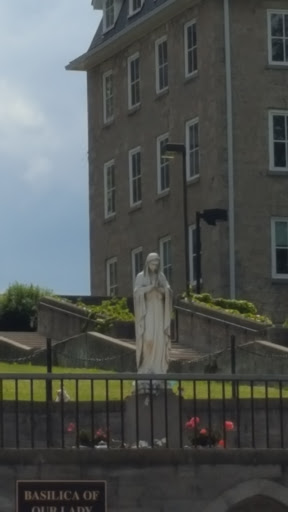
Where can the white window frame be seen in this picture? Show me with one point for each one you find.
(273, 247)
(133, 11)
(158, 68)
(269, 32)
(111, 288)
(192, 253)
(131, 84)
(187, 50)
(107, 167)
(134, 254)
(105, 10)
(272, 167)
(160, 139)
(190, 123)
(162, 243)
(107, 98)
(133, 152)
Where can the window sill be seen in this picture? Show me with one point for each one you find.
(107, 29)
(277, 67)
(163, 92)
(191, 181)
(189, 78)
(111, 218)
(283, 173)
(162, 195)
(135, 207)
(131, 14)
(108, 123)
(134, 109)
(279, 280)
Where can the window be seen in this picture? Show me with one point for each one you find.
(109, 189)
(279, 238)
(108, 99)
(161, 65)
(193, 254)
(135, 176)
(190, 45)
(137, 262)
(111, 277)
(109, 14)
(278, 37)
(278, 137)
(192, 148)
(134, 80)
(163, 174)
(165, 257)
(135, 6)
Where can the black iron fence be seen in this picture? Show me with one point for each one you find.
(106, 411)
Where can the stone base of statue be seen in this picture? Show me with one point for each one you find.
(151, 417)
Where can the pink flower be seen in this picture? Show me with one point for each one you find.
(221, 443)
(192, 422)
(203, 431)
(71, 427)
(229, 425)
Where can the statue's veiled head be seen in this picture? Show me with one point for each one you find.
(152, 263)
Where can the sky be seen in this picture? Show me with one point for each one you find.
(43, 144)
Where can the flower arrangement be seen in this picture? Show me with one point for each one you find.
(203, 436)
(100, 437)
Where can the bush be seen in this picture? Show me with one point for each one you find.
(18, 307)
(107, 313)
(234, 307)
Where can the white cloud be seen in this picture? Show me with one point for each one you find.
(18, 110)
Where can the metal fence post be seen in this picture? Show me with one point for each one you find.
(233, 362)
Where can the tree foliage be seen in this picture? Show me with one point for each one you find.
(18, 307)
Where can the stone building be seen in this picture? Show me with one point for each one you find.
(213, 75)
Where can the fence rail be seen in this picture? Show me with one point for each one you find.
(134, 411)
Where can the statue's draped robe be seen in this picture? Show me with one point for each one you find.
(152, 324)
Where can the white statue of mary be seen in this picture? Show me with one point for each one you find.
(153, 309)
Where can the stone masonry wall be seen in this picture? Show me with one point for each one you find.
(156, 480)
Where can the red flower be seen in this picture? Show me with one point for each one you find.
(229, 425)
(71, 427)
(221, 443)
(192, 422)
(203, 431)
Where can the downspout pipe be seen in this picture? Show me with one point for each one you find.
(230, 150)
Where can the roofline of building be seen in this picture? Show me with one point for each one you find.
(119, 41)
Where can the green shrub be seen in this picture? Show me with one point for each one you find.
(18, 306)
(107, 313)
(234, 307)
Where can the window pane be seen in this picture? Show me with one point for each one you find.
(194, 35)
(277, 25)
(282, 261)
(286, 24)
(279, 127)
(280, 159)
(189, 37)
(277, 50)
(281, 234)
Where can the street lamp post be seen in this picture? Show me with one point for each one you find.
(170, 151)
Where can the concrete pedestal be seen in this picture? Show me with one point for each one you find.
(150, 417)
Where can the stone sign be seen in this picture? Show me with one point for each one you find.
(60, 496)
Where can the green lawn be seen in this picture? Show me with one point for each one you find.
(113, 390)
